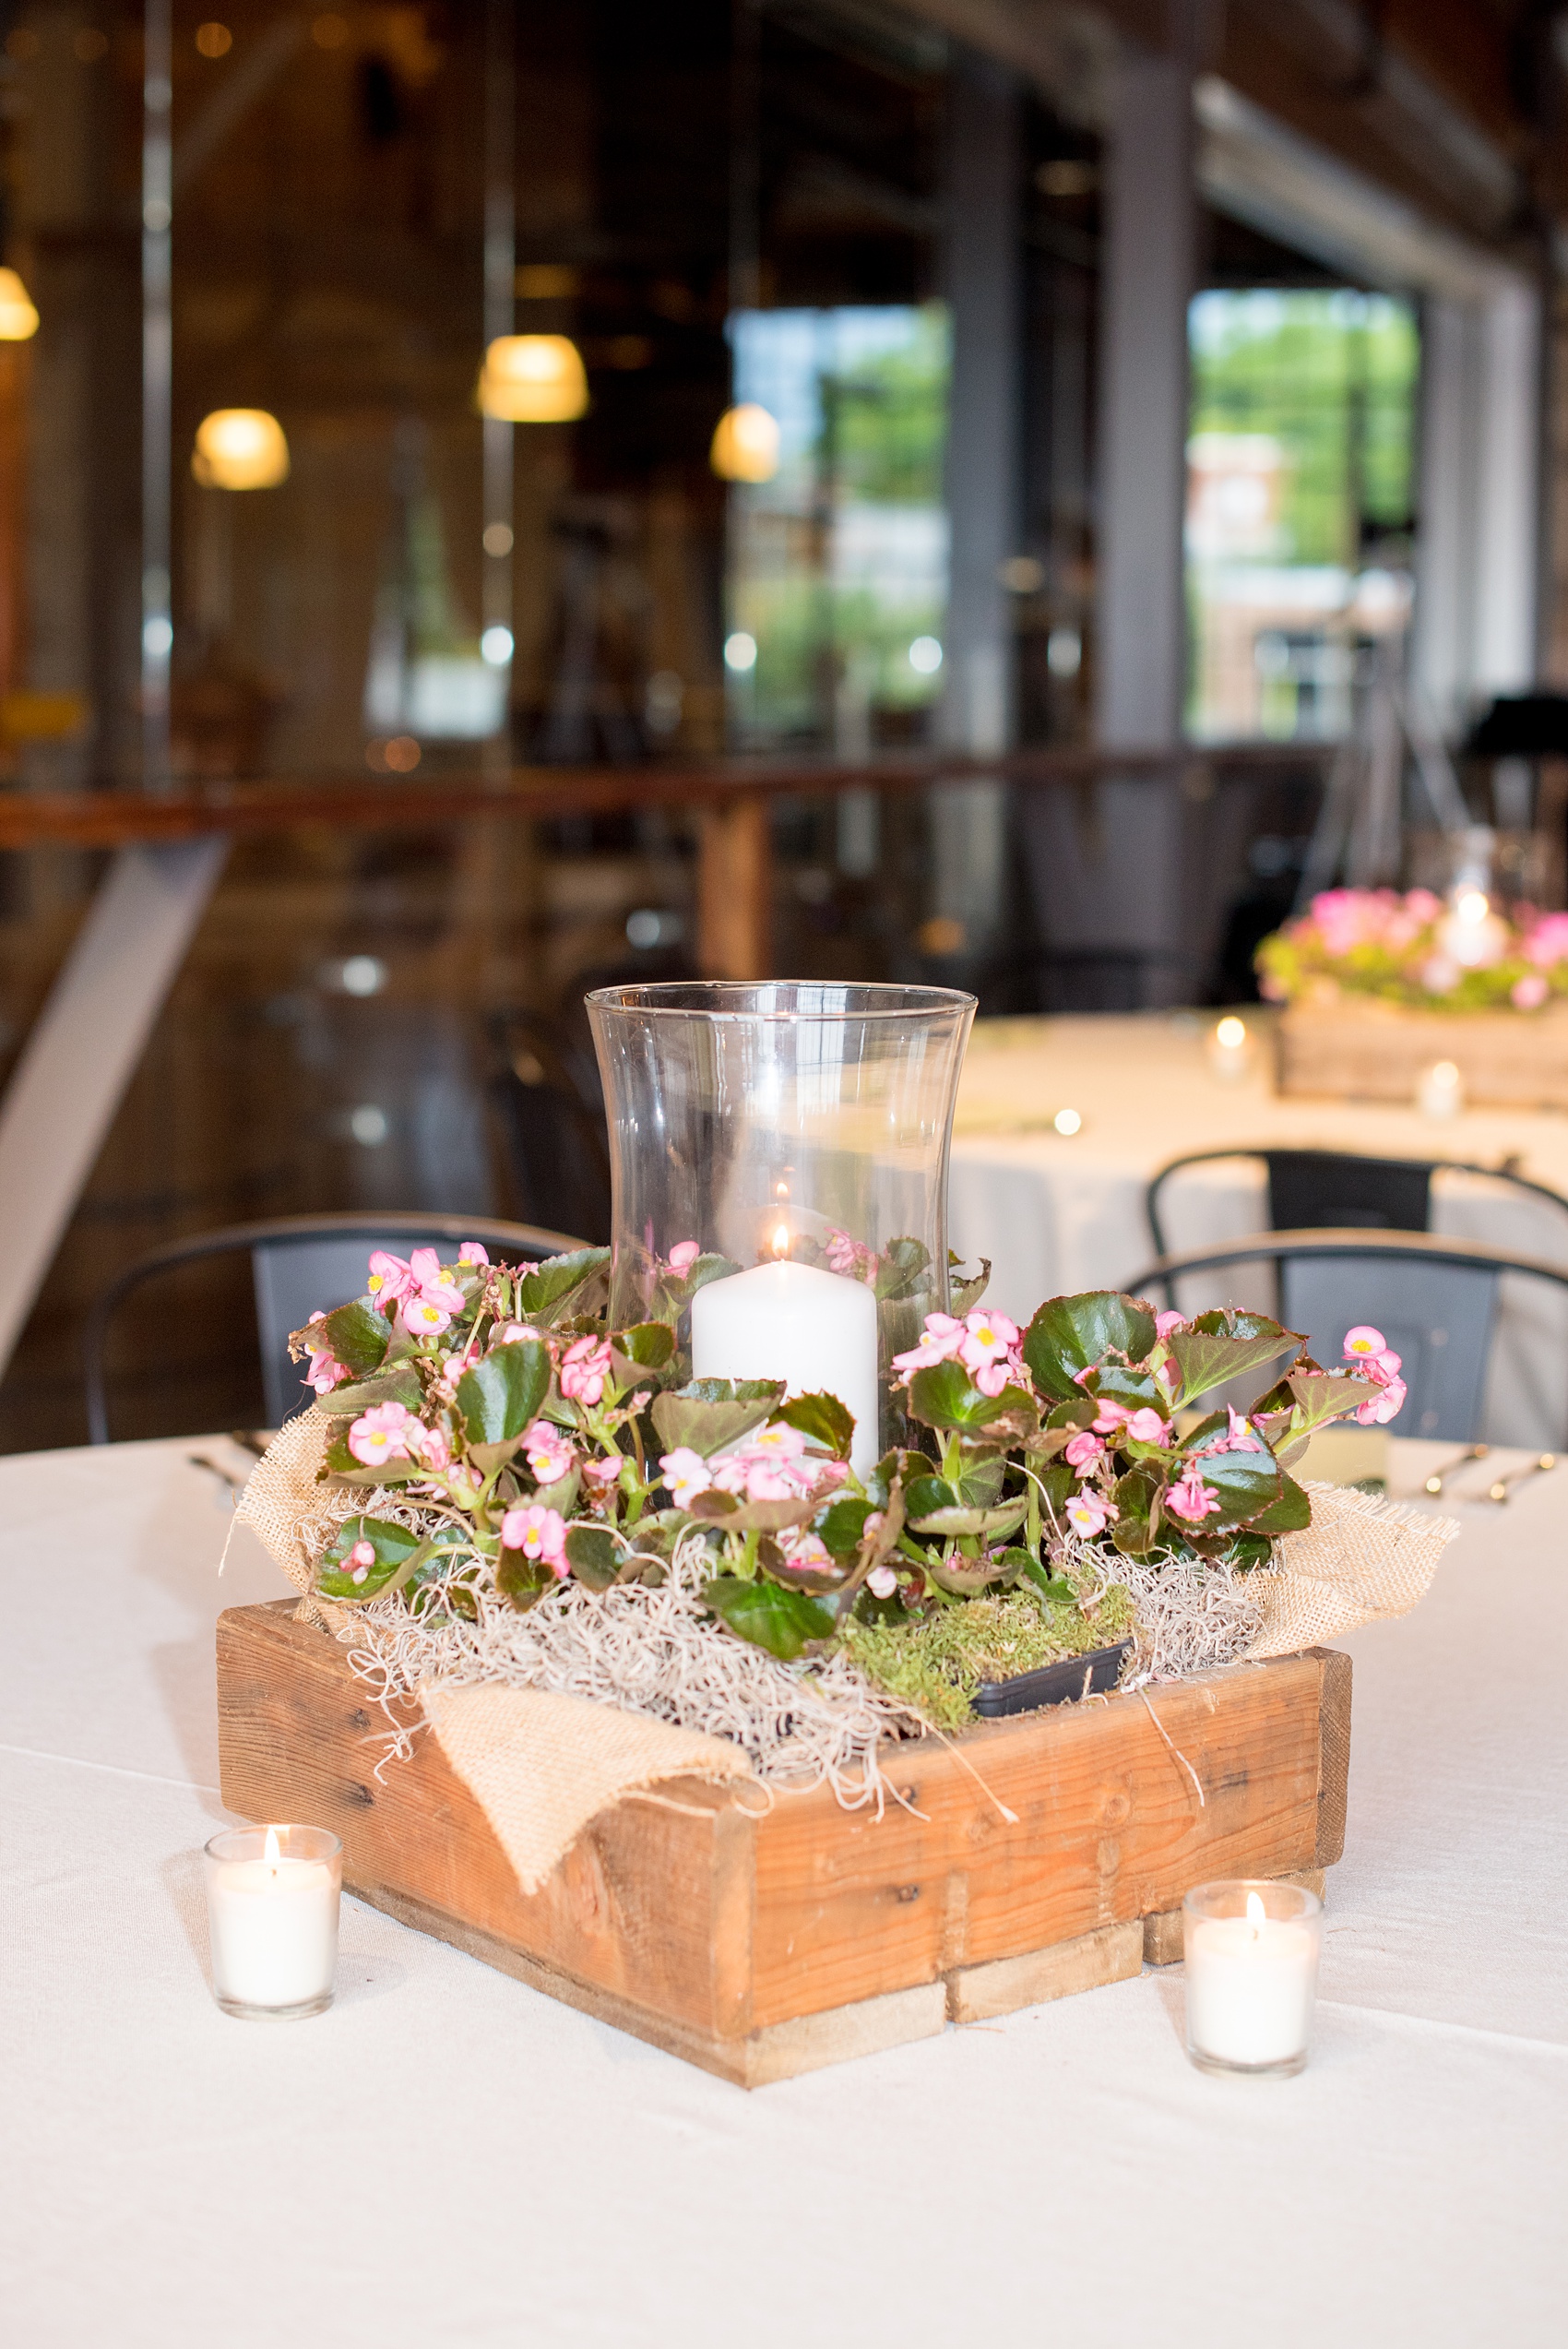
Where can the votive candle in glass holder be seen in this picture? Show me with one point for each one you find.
(272, 1899)
(1230, 1050)
(1440, 1089)
(1252, 1956)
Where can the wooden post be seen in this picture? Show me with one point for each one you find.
(735, 890)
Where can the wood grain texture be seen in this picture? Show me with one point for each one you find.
(1368, 1051)
(1112, 1953)
(685, 1914)
(1109, 1826)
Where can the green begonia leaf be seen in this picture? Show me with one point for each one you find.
(592, 1556)
(546, 1288)
(944, 1395)
(649, 1345)
(400, 1386)
(1070, 1335)
(822, 1417)
(500, 1395)
(1246, 1482)
(357, 1335)
(784, 1622)
(398, 1555)
(1216, 1347)
(706, 1414)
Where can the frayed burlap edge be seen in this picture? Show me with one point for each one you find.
(1362, 1559)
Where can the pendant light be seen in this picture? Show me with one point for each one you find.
(240, 448)
(533, 379)
(18, 319)
(745, 444)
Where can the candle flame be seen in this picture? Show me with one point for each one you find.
(1230, 1034)
(1254, 1910)
(781, 1241)
(272, 1851)
(1472, 907)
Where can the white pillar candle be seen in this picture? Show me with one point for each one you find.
(272, 1901)
(816, 1331)
(1251, 1978)
(1231, 1051)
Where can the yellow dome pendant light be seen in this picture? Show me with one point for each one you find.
(533, 379)
(240, 448)
(745, 444)
(18, 319)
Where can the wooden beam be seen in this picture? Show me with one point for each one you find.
(735, 890)
(356, 802)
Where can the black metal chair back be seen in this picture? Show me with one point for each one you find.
(1340, 1189)
(549, 1110)
(1435, 1301)
(299, 1263)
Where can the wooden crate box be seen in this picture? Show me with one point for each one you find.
(1360, 1050)
(763, 1941)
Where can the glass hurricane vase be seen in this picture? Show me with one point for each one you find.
(780, 1164)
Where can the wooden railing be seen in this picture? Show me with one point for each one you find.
(730, 798)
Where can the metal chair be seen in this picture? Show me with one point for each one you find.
(549, 1108)
(1339, 1189)
(298, 1263)
(1435, 1301)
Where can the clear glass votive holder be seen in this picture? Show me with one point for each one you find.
(272, 1901)
(1251, 1952)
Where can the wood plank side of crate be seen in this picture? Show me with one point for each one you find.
(1369, 1051)
(1109, 1826)
(652, 1904)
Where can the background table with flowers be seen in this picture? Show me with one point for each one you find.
(1062, 1210)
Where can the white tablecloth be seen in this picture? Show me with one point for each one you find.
(449, 2157)
(1059, 1213)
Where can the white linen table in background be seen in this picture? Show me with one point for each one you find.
(1060, 1212)
(449, 2157)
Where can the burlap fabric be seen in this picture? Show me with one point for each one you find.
(1361, 1559)
(541, 1765)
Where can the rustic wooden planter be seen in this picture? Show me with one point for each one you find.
(762, 1944)
(1367, 1051)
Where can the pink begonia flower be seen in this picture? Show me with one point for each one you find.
(683, 1255)
(425, 1308)
(1239, 1436)
(686, 1473)
(1145, 1427)
(547, 1451)
(1384, 1405)
(382, 1434)
(852, 1258)
(1530, 993)
(1192, 1499)
(989, 1350)
(583, 1369)
(1369, 1351)
(881, 1582)
(1109, 1416)
(324, 1373)
(1548, 942)
(471, 1252)
(511, 1333)
(1082, 1452)
(804, 1548)
(604, 1473)
(1089, 1513)
(359, 1560)
(540, 1534)
(391, 1277)
(432, 1448)
(943, 1337)
(1165, 1322)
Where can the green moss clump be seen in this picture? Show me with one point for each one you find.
(935, 1665)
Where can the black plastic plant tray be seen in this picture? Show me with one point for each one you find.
(1054, 1684)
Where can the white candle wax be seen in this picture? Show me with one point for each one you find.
(1441, 1090)
(1250, 1983)
(815, 1331)
(274, 1924)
